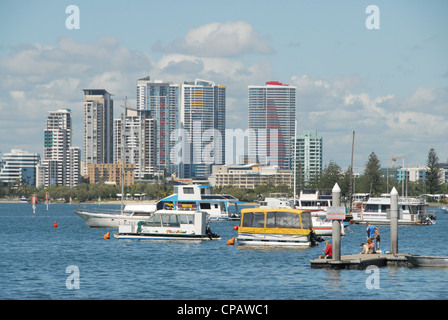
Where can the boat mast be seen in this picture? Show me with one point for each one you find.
(122, 152)
(295, 160)
(351, 173)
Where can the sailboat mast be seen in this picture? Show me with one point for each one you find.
(122, 152)
(295, 160)
(351, 173)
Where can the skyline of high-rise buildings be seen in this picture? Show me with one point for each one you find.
(175, 129)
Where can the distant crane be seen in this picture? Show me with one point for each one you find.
(396, 158)
(403, 174)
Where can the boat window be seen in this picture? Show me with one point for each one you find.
(153, 221)
(188, 190)
(186, 219)
(205, 205)
(282, 220)
(170, 220)
(253, 219)
(371, 207)
(306, 220)
(385, 207)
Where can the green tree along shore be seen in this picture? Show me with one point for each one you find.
(370, 182)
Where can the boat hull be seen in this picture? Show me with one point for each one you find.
(427, 261)
(256, 239)
(105, 220)
(401, 222)
(163, 237)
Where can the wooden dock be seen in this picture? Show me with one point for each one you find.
(361, 261)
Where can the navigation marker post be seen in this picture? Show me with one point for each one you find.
(337, 214)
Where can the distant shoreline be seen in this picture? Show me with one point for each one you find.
(431, 204)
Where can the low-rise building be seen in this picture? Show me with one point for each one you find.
(111, 173)
(249, 176)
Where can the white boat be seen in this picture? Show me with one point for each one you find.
(199, 197)
(107, 218)
(444, 209)
(427, 261)
(275, 227)
(321, 226)
(313, 200)
(412, 211)
(182, 225)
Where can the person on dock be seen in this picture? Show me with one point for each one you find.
(370, 246)
(370, 230)
(377, 239)
(328, 251)
(365, 248)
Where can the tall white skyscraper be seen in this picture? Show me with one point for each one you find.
(60, 161)
(203, 124)
(139, 139)
(272, 111)
(98, 126)
(161, 100)
(309, 151)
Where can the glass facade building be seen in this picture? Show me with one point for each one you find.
(19, 165)
(161, 100)
(272, 111)
(309, 153)
(202, 124)
(98, 126)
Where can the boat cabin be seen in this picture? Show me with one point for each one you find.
(278, 227)
(275, 221)
(168, 224)
(199, 197)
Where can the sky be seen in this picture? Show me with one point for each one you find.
(388, 85)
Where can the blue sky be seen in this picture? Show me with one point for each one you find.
(389, 85)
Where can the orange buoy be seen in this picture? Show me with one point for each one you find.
(235, 227)
(231, 242)
(106, 236)
(55, 225)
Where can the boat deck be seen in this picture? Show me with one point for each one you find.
(361, 261)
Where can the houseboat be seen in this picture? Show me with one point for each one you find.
(411, 211)
(199, 197)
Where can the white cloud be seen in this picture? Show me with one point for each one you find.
(38, 78)
(387, 124)
(216, 39)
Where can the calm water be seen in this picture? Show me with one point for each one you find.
(34, 258)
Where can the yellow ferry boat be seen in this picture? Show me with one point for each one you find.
(275, 227)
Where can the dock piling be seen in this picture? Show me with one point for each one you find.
(394, 221)
(336, 230)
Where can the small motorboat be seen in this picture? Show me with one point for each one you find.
(169, 225)
(427, 261)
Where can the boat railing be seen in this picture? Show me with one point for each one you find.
(98, 209)
(411, 201)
